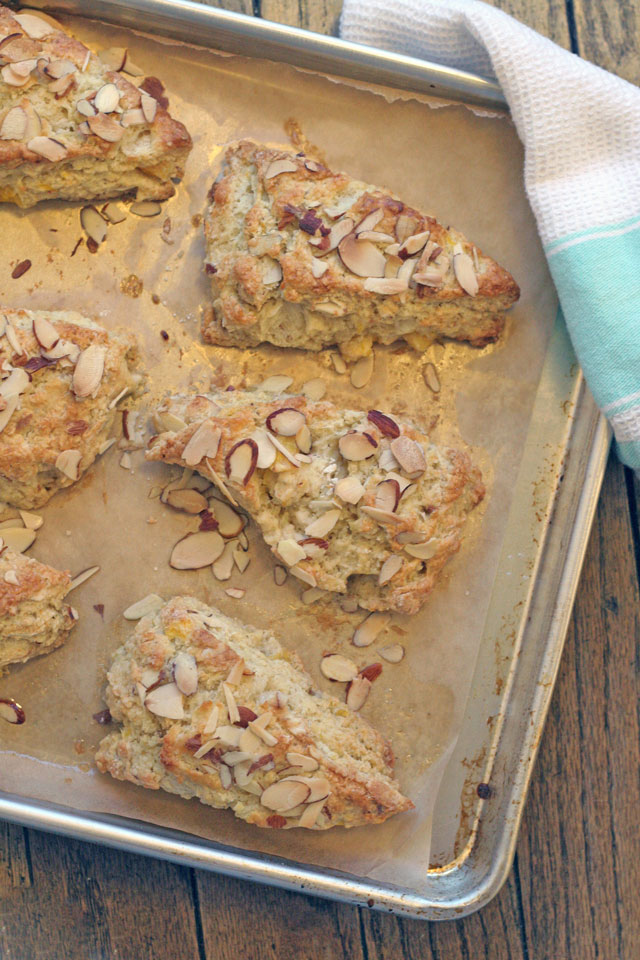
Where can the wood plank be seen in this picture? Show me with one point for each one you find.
(88, 901)
(579, 852)
(321, 16)
(548, 17)
(15, 869)
(241, 919)
(608, 33)
(235, 6)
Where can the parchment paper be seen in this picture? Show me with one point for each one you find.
(464, 168)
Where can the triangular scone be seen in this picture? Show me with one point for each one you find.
(34, 618)
(214, 709)
(302, 257)
(61, 377)
(73, 129)
(350, 501)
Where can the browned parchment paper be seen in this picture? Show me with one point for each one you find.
(466, 169)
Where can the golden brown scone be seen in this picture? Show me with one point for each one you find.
(214, 709)
(73, 129)
(286, 267)
(60, 375)
(34, 618)
(383, 535)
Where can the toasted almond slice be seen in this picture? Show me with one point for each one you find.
(276, 384)
(314, 389)
(113, 212)
(81, 577)
(165, 701)
(131, 118)
(212, 721)
(68, 462)
(280, 575)
(336, 667)
(375, 236)
(185, 673)
(48, 148)
(188, 500)
(241, 558)
(240, 463)
(204, 442)
(145, 208)
(237, 593)
(34, 27)
(207, 745)
(285, 422)
(403, 484)
(17, 539)
(279, 445)
(23, 67)
(323, 525)
(338, 232)
(405, 226)
(409, 455)
(107, 128)
(107, 98)
(14, 125)
(361, 257)
(319, 787)
(370, 221)
(464, 271)
(31, 520)
(308, 764)
(310, 814)
(304, 575)
(13, 79)
(149, 107)
(349, 489)
(381, 516)
(414, 243)
(389, 568)
(357, 692)
(385, 286)
(168, 421)
(284, 795)
(266, 451)
(312, 595)
(394, 653)
(410, 536)
(318, 267)
(272, 271)
(430, 376)
(423, 551)
(429, 277)
(387, 495)
(223, 567)
(228, 734)
(303, 439)
(197, 550)
(88, 371)
(406, 271)
(114, 58)
(357, 446)
(230, 523)
(290, 552)
(45, 332)
(369, 629)
(11, 577)
(232, 707)
(225, 775)
(276, 167)
(11, 711)
(93, 224)
(362, 371)
(235, 674)
(141, 608)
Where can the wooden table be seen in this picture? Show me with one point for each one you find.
(574, 891)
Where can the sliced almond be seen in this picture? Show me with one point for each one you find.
(284, 795)
(11, 711)
(304, 575)
(357, 446)
(45, 332)
(290, 552)
(303, 439)
(149, 107)
(237, 593)
(165, 701)
(14, 125)
(34, 123)
(11, 577)
(280, 575)
(369, 629)
(308, 764)
(285, 422)
(429, 277)
(464, 271)
(56, 69)
(430, 376)
(407, 270)
(48, 148)
(34, 27)
(361, 257)
(88, 371)
(272, 272)
(410, 536)
(114, 58)
(279, 445)
(145, 208)
(409, 455)
(81, 577)
(131, 118)
(62, 86)
(185, 673)
(230, 522)
(318, 267)
(336, 667)
(31, 520)
(323, 525)
(314, 389)
(13, 79)
(277, 167)
(381, 516)
(349, 489)
(370, 221)
(405, 226)
(113, 212)
(423, 551)
(232, 706)
(266, 451)
(212, 720)
(414, 243)
(386, 285)
(17, 539)
(387, 495)
(362, 371)
(93, 224)
(141, 608)
(276, 384)
(190, 501)
(106, 127)
(68, 462)
(357, 692)
(310, 814)
(223, 567)
(240, 463)
(319, 787)
(338, 232)
(228, 734)
(236, 673)
(375, 236)
(389, 568)
(204, 442)
(197, 550)
(394, 653)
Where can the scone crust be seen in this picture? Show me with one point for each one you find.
(142, 163)
(284, 500)
(49, 417)
(34, 618)
(353, 760)
(255, 220)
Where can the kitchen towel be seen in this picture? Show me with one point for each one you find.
(580, 127)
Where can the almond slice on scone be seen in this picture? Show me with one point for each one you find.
(73, 128)
(61, 377)
(299, 256)
(209, 707)
(373, 508)
(34, 617)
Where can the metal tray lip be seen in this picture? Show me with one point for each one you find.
(474, 886)
(327, 53)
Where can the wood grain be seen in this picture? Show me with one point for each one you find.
(322, 16)
(608, 32)
(548, 17)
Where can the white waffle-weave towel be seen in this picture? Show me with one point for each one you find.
(580, 127)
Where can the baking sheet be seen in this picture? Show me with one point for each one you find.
(464, 168)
